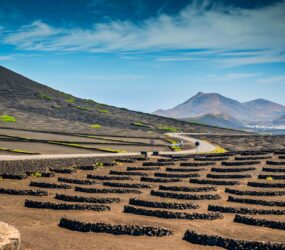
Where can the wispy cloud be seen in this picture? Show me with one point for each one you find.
(8, 58)
(127, 77)
(261, 57)
(197, 26)
(232, 77)
(272, 80)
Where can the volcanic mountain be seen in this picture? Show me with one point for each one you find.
(220, 107)
(27, 104)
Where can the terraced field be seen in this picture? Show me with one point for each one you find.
(19, 142)
(180, 202)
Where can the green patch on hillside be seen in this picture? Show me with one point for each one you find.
(168, 129)
(7, 118)
(43, 96)
(104, 111)
(140, 124)
(83, 108)
(96, 126)
(70, 100)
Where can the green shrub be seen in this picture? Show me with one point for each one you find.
(7, 118)
(104, 111)
(43, 96)
(140, 124)
(169, 129)
(70, 100)
(36, 174)
(95, 126)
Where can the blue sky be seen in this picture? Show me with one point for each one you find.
(145, 54)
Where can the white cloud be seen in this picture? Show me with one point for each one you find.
(8, 57)
(272, 80)
(113, 77)
(232, 76)
(196, 27)
(268, 56)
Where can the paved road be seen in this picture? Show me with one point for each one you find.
(204, 147)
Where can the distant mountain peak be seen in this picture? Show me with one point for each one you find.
(215, 104)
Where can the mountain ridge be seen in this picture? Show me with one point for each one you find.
(215, 104)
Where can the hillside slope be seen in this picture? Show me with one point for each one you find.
(36, 106)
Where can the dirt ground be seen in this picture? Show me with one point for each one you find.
(39, 227)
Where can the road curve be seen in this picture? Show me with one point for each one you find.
(205, 147)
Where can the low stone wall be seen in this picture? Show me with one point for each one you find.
(63, 170)
(239, 163)
(244, 210)
(211, 159)
(255, 193)
(214, 182)
(229, 243)
(232, 170)
(276, 170)
(184, 169)
(45, 174)
(126, 185)
(166, 175)
(217, 155)
(166, 205)
(252, 158)
(102, 200)
(165, 160)
(14, 176)
(42, 165)
(76, 181)
(274, 177)
(142, 168)
(107, 190)
(266, 185)
(65, 206)
(49, 185)
(255, 152)
(279, 152)
(109, 178)
(259, 222)
(10, 238)
(160, 164)
(127, 173)
(133, 230)
(185, 196)
(197, 164)
(277, 163)
(160, 180)
(188, 189)
(257, 202)
(228, 176)
(172, 215)
(23, 192)
(88, 167)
